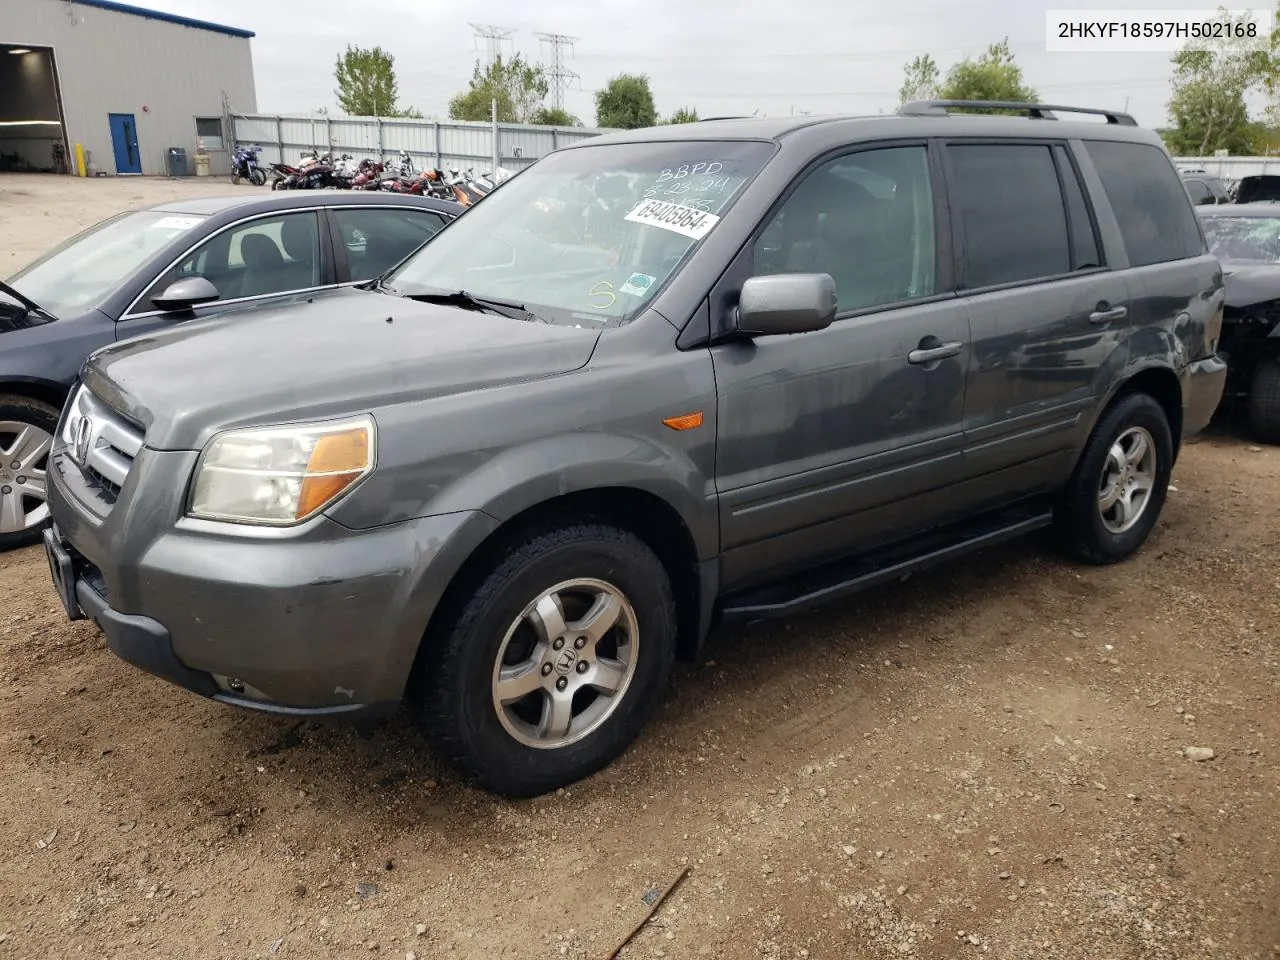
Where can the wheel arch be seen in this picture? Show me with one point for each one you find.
(1160, 383)
(36, 388)
(641, 512)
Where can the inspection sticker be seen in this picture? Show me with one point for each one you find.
(176, 223)
(637, 284)
(676, 217)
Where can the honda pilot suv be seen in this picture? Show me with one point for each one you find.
(663, 378)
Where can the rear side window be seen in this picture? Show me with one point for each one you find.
(1199, 192)
(1012, 209)
(1151, 205)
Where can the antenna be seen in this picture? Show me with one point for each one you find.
(493, 37)
(558, 73)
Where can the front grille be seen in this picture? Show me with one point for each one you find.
(101, 442)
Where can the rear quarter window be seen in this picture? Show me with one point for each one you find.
(1150, 202)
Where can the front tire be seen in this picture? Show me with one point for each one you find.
(26, 435)
(554, 663)
(1264, 401)
(1115, 496)
(257, 177)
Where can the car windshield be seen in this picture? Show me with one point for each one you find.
(1244, 238)
(82, 271)
(587, 235)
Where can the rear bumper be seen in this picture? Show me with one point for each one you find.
(1203, 385)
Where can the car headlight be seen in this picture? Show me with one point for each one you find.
(281, 475)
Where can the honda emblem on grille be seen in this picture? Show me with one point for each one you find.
(80, 450)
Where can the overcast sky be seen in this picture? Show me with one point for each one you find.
(721, 57)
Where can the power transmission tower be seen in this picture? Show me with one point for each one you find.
(559, 75)
(493, 37)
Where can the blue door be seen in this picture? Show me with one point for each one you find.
(124, 141)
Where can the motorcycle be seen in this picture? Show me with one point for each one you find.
(368, 175)
(244, 166)
(283, 176)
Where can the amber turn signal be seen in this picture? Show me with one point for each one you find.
(337, 461)
(685, 421)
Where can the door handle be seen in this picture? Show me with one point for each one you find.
(1108, 314)
(934, 354)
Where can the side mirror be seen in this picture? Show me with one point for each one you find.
(186, 293)
(786, 303)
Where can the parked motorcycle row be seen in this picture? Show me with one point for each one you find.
(318, 171)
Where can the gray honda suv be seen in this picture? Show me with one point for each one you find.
(718, 371)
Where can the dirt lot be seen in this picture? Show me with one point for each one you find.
(987, 761)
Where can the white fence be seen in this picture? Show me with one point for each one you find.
(1230, 168)
(442, 144)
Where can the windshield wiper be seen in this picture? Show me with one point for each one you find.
(27, 302)
(469, 301)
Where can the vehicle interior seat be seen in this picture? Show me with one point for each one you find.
(298, 234)
(264, 266)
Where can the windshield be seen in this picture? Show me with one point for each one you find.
(85, 269)
(588, 235)
(1244, 238)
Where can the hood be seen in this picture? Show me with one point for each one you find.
(344, 353)
(1249, 282)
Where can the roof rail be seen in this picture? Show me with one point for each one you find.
(1037, 111)
(742, 116)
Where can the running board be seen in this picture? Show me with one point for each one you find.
(848, 577)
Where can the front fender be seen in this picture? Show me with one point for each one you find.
(525, 475)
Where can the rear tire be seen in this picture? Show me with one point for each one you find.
(235, 179)
(1264, 401)
(26, 431)
(1118, 489)
(511, 694)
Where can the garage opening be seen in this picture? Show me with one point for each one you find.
(32, 135)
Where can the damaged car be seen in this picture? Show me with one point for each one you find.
(1246, 239)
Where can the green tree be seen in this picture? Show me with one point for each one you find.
(1212, 81)
(626, 103)
(993, 76)
(517, 85)
(920, 80)
(683, 115)
(555, 117)
(367, 84)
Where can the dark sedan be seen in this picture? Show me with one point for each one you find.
(1245, 237)
(163, 265)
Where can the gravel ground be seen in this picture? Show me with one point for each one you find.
(1009, 757)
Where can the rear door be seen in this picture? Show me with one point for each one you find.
(1045, 311)
(370, 240)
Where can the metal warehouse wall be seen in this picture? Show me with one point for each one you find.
(112, 62)
(443, 144)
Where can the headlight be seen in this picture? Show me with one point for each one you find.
(281, 475)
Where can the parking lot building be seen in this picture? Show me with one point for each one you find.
(137, 89)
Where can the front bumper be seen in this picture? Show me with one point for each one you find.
(315, 620)
(1202, 389)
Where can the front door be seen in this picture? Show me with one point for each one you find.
(839, 439)
(124, 142)
(261, 261)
